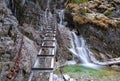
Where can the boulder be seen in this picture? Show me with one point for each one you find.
(29, 53)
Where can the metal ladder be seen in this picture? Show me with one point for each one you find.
(44, 64)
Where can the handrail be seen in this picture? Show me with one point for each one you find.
(14, 71)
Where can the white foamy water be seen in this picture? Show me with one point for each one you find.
(80, 50)
(61, 17)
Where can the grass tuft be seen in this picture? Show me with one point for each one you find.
(79, 1)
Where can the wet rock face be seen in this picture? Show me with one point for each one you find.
(63, 41)
(20, 7)
(7, 49)
(17, 8)
(8, 30)
(8, 44)
(69, 19)
(117, 1)
(60, 4)
(30, 11)
(10, 37)
(117, 12)
(104, 41)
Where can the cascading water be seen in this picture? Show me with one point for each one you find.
(61, 16)
(80, 50)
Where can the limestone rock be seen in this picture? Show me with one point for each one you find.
(63, 44)
(29, 53)
(67, 77)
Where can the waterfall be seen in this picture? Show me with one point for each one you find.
(61, 16)
(79, 49)
(48, 14)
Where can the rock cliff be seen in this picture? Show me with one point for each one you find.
(98, 21)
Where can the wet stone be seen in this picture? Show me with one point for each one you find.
(0, 25)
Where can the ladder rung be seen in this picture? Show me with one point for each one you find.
(43, 69)
(45, 55)
(49, 29)
(50, 32)
(49, 40)
(48, 46)
(50, 36)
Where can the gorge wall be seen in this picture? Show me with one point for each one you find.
(24, 18)
(98, 21)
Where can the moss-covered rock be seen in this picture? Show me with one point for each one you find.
(80, 73)
(85, 14)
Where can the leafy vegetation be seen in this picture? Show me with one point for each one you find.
(79, 1)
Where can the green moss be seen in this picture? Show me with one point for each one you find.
(108, 12)
(79, 1)
(76, 70)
